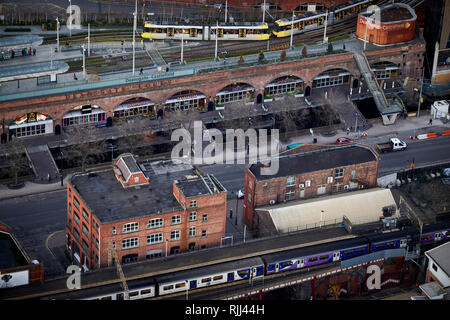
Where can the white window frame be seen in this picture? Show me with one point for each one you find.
(130, 227)
(289, 182)
(175, 220)
(192, 231)
(308, 183)
(339, 173)
(205, 217)
(154, 238)
(193, 216)
(175, 235)
(130, 243)
(155, 223)
(193, 204)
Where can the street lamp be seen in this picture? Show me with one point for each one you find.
(134, 34)
(84, 61)
(70, 18)
(292, 30)
(321, 219)
(57, 33)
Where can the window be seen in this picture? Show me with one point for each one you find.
(85, 230)
(435, 268)
(290, 181)
(308, 183)
(130, 243)
(76, 203)
(180, 285)
(76, 234)
(136, 179)
(193, 204)
(114, 230)
(155, 223)
(193, 216)
(76, 218)
(130, 227)
(321, 189)
(114, 245)
(290, 195)
(249, 198)
(325, 257)
(192, 231)
(176, 219)
(217, 278)
(339, 173)
(330, 180)
(204, 233)
(85, 215)
(205, 217)
(175, 235)
(205, 280)
(250, 184)
(154, 238)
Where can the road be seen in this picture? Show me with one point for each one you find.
(33, 218)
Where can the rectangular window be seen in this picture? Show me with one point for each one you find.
(130, 227)
(76, 218)
(180, 285)
(76, 203)
(250, 184)
(85, 230)
(217, 278)
(321, 189)
(85, 215)
(192, 231)
(339, 173)
(175, 235)
(76, 234)
(435, 268)
(204, 233)
(130, 243)
(249, 198)
(193, 216)
(114, 230)
(155, 223)
(308, 183)
(205, 217)
(193, 204)
(330, 180)
(289, 195)
(290, 181)
(205, 280)
(154, 238)
(176, 219)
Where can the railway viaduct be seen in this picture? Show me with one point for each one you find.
(408, 58)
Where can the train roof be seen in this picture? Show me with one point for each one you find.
(304, 17)
(315, 249)
(103, 290)
(345, 6)
(379, 237)
(222, 25)
(209, 270)
(436, 227)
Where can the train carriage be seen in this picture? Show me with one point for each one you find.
(210, 275)
(391, 240)
(349, 10)
(243, 31)
(314, 255)
(306, 22)
(436, 232)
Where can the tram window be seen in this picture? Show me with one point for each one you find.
(134, 293)
(180, 285)
(146, 291)
(216, 278)
(312, 259)
(168, 287)
(204, 280)
(324, 257)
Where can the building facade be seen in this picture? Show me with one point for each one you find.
(310, 171)
(141, 220)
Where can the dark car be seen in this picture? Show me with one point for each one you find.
(343, 140)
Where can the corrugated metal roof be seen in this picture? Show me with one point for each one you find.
(362, 206)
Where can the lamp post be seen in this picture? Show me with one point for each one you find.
(57, 33)
(325, 29)
(70, 18)
(182, 48)
(134, 34)
(264, 11)
(217, 38)
(321, 219)
(292, 31)
(84, 61)
(420, 94)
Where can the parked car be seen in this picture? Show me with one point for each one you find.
(343, 140)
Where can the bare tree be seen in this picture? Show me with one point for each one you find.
(83, 142)
(14, 156)
(131, 135)
(283, 55)
(304, 52)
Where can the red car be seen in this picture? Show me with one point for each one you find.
(343, 140)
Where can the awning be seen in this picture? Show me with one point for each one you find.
(362, 206)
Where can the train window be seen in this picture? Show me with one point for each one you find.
(380, 246)
(204, 280)
(359, 250)
(217, 278)
(288, 264)
(426, 238)
(346, 253)
(312, 259)
(324, 257)
(168, 287)
(391, 244)
(180, 285)
(146, 291)
(243, 273)
(106, 298)
(133, 293)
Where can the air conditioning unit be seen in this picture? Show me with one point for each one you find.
(272, 201)
(301, 185)
(346, 187)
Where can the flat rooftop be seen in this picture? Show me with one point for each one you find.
(441, 256)
(200, 186)
(10, 254)
(109, 201)
(317, 160)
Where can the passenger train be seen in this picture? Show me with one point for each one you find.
(254, 31)
(264, 265)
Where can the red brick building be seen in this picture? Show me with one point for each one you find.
(143, 215)
(395, 23)
(310, 171)
(16, 268)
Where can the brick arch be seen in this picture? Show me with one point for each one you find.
(281, 75)
(327, 68)
(238, 81)
(169, 94)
